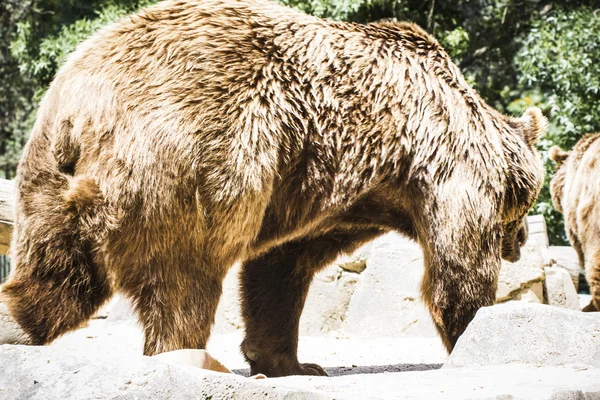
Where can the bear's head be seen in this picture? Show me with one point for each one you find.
(515, 236)
(525, 182)
(557, 183)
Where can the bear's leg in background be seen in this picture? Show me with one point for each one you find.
(461, 274)
(274, 289)
(592, 274)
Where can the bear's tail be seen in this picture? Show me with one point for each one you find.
(57, 280)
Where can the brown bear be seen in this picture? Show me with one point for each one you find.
(202, 132)
(575, 190)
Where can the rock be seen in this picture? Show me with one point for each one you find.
(45, 373)
(387, 301)
(50, 373)
(532, 294)
(538, 233)
(350, 264)
(229, 314)
(532, 334)
(345, 299)
(584, 299)
(327, 301)
(504, 382)
(193, 357)
(10, 331)
(119, 309)
(559, 289)
(356, 262)
(516, 277)
(567, 258)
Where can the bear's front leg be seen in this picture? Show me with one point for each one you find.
(274, 288)
(461, 276)
(592, 275)
(175, 295)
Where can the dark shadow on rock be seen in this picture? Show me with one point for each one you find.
(365, 369)
(377, 369)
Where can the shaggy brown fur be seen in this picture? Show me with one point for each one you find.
(576, 193)
(222, 130)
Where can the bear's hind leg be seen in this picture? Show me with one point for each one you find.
(274, 288)
(592, 273)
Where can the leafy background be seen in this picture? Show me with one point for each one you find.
(516, 53)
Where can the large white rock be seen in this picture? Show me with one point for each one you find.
(567, 258)
(519, 276)
(382, 300)
(559, 288)
(387, 300)
(118, 309)
(504, 382)
(229, 314)
(538, 232)
(327, 301)
(533, 334)
(10, 331)
(47, 373)
(44, 373)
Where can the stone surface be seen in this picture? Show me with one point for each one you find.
(118, 309)
(521, 275)
(369, 330)
(559, 290)
(229, 315)
(532, 294)
(584, 299)
(532, 334)
(505, 382)
(45, 373)
(192, 357)
(566, 257)
(10, 331)
(382, 301)
(327, 301)
(356, 262)
(387, 301)
(538, 233)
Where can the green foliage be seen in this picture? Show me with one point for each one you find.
(339, 10)
(560, 57)
(35, 38)
(14, 91)
(42, 44)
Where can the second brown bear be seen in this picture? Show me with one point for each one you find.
(576, 193)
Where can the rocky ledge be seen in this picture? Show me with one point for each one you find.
(509, 351)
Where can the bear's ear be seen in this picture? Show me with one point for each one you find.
(534, 124)
(557, 155)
